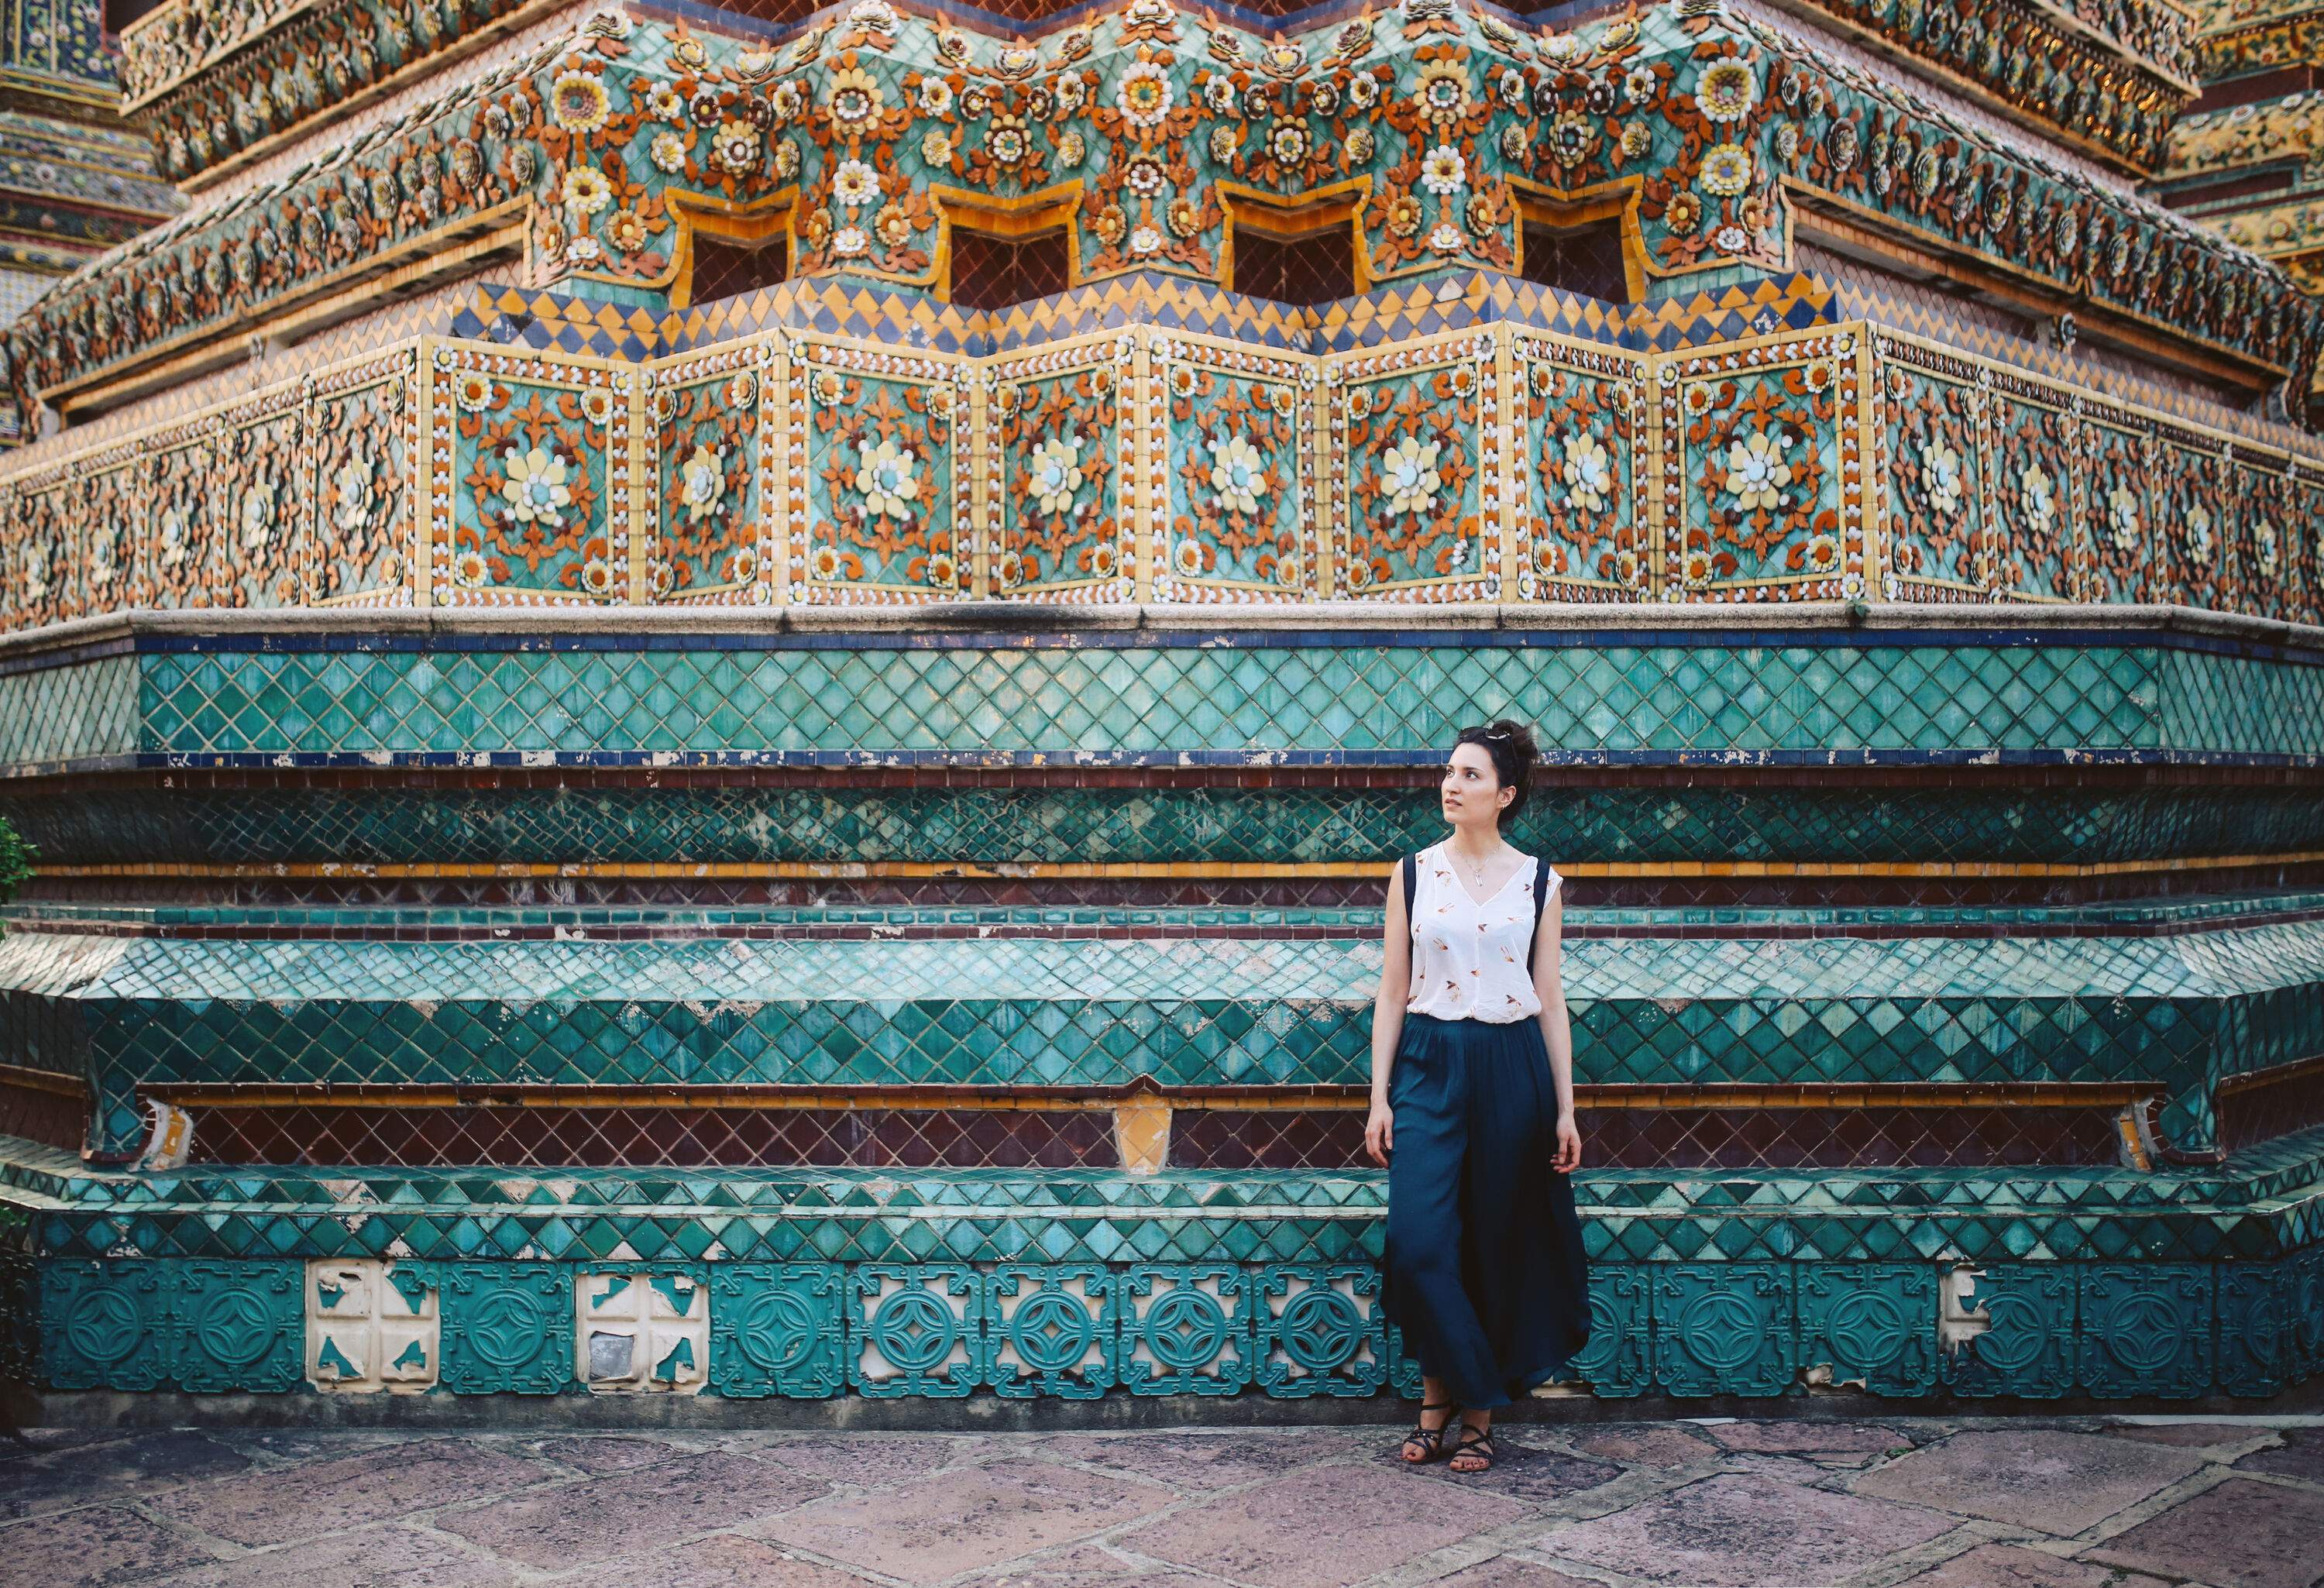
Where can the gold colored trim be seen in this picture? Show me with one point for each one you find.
(1128, 871)
(1315, 213)
(31, 1080)
(1563, 209)
(1141, 1093)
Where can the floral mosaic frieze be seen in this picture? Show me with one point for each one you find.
(208, 83)
(2000, 488)
(301, 496)
(2112, 96)
(864, 137)
(1493, 464)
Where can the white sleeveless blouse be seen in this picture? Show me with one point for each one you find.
(1469, 959)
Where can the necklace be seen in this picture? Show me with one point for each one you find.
(1476, 871)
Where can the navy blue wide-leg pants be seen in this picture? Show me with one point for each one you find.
(1484, 1271)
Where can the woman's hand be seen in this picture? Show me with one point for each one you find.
(1569, 1145)
(1380, 1128)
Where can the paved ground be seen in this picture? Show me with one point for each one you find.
(1962, 1504)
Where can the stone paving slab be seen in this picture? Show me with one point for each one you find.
(1896, 1502)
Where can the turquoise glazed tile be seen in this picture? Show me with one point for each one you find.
(1052, 1329)
(1321, 1331)
(916, 1329)
(508, 1327)
(2028, 1348)
(1185, 1328)
(1871, 1323)
(239, 1325)
(1725, 1328)
(2257, 1330)
(1267, 693)
(776, 1329)
(106, 1325)
(2145, 1329)
(1618, 1361)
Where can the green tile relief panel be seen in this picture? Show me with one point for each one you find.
(1292, 1330)
(1235, 696)
(203, 1326)
(601, 824)
(2176, 1011)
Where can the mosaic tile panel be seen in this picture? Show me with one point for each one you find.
(534, 502)
(1061, 477)
(1584, 530)
(881, 441)
(1417, 505)
(712, 536)
(1234, 509)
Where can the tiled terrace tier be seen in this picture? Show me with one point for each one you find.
(1072, 1283)
(219, 86)
(1449, 444)
(1151, 140)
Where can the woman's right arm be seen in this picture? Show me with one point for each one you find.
(1387, 1017)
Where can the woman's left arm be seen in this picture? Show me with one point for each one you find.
(1557, 1027)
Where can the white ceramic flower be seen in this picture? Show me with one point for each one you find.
(587, 191)
(1726, 91)
(1056, 473)
(2037, 497)
(1941, 476)
(257, 516)
(1726, 171)
(2264, 545)
(885, 477)
(1238, 473)
(1443, 171)
(535, 489)
(1589, 474)
(855, 182)
(1408, 475)
(1143, 94)
(667, 151)
(702, 481)
(172, 548)
(2199, 533)
(353, 483)
(36, 573)
(1757, 472)
(2122, 517)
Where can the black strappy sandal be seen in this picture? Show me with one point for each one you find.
(1474, 1442)
(1431, 1440)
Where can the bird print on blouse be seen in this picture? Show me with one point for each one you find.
(1468, 956)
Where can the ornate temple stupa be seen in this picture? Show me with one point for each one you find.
(715, 701)
(74, 181)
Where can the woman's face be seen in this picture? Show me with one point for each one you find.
(1472, 790)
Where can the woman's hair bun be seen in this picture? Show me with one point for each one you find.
(1510, 745)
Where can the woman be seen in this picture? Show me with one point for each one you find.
(1473, 1110)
